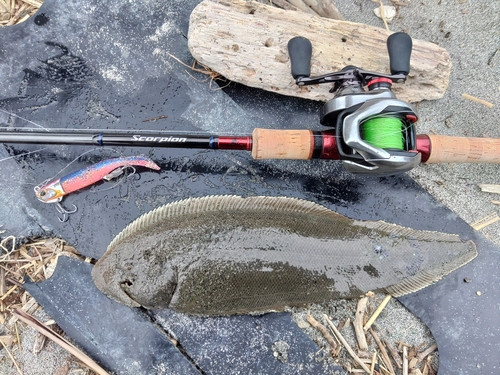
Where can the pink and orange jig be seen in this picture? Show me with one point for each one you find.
(54, 191)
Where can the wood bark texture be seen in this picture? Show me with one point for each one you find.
(246, 42)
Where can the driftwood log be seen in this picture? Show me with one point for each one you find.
(246, 42)
(323, 8)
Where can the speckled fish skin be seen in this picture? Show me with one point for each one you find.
(224, 255)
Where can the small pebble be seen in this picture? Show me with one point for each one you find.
(303, 324)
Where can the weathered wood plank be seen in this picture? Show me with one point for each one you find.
(246, 42)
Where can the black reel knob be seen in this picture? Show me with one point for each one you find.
(399, 46)
(300, 51)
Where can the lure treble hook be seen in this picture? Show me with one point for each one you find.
(64, 212)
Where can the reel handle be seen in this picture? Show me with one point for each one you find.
(399, 47)
(449, 149)
(300, 52)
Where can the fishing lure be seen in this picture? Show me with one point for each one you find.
(54, 191)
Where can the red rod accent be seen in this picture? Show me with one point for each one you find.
(235, 143)
(329, 149)
(424, 146)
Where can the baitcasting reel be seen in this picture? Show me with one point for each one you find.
(375, 131)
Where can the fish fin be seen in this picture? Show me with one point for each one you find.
(441, 269)
(409, 233)
(218, 203)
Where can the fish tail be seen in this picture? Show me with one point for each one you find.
(142, 161)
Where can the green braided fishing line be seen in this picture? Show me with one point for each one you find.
(384, 132)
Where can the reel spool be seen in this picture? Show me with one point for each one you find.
(384, 132)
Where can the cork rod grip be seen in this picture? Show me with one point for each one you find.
(445, 149)
(282, 144)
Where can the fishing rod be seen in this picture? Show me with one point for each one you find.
(266, 143)
(370, 131)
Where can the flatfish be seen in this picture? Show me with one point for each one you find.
(223, 255)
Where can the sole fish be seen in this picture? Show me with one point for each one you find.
(224, 255)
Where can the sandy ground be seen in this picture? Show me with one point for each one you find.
(470, 31)
(36, 356)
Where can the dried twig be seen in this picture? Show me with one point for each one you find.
(284, 5)
(213, 76)
(358, 323)
(18, 338)
(33, 3)
(153, 119)
(16, 11)
(394, 353)
(374, 361)
(11, 357)
(485, 221)
(299, 4)
(413, 362)
(5, 5)
(385, 356)
(447, 121)
(10, 291)
(421, 356)
(3, 245)
(377, 312)
(2, 281)
(40, 327)
(346, 345)
(405, 360)
(382, 13)
(320, 327)
(8, 340)
(495, 58)
(490, 188)
(324, 8)
(477, 100)
(428, 367)
(39, 343)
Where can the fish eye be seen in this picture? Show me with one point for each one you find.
(46, 194)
